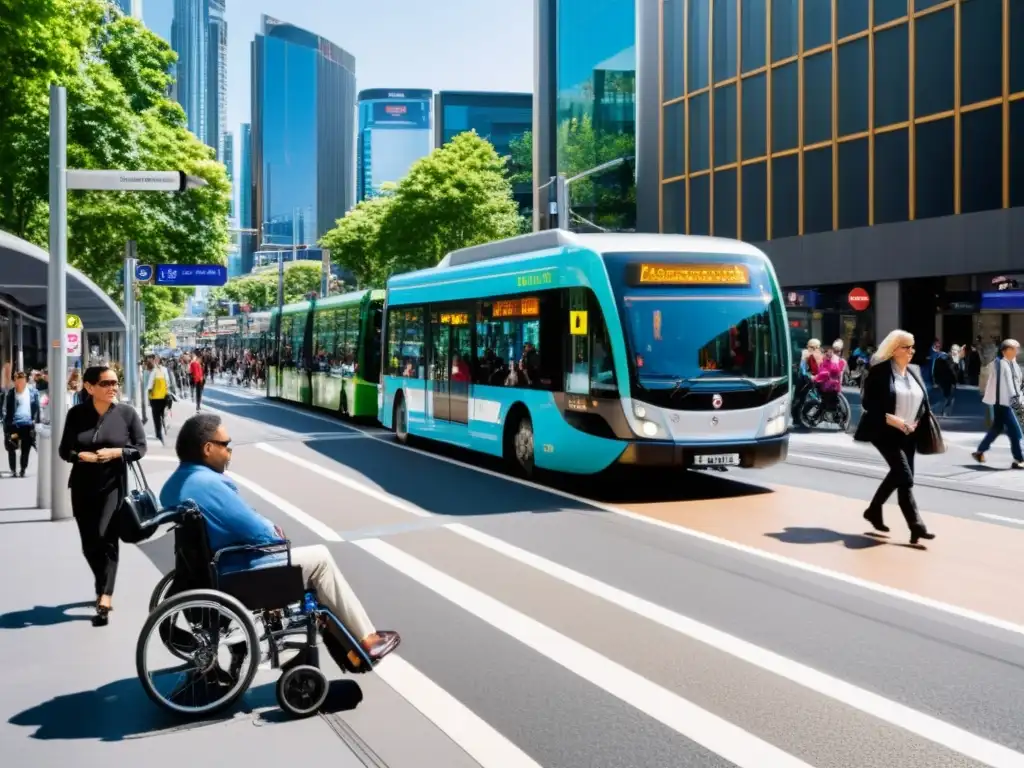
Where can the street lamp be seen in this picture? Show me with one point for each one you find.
(61, 180)
(560, 205)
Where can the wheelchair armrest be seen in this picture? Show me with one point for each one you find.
(267, 549)
(172, 514)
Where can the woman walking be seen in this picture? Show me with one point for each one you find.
(895, 402)
(100, 438)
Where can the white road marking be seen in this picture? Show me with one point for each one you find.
(882, 589)
(348, 482)
(1001, 518)
(694, 723)
(915, 722)
(478, 739)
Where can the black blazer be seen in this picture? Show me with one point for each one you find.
(879, 399)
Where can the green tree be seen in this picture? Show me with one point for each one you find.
(355, 242)
(119, 116)
(259, 290)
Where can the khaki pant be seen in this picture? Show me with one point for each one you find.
(322, 574)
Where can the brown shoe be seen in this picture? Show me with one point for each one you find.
(385, 643)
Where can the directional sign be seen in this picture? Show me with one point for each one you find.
(73, 321)
(128, 181)
(191, 274)
(143, 273)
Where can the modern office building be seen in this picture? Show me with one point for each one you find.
(303, 134)
(246, 240)
(503, 119)
(870, 150)
(394, 132)
(584, 109)
(229, 164)
(189, 40)
(216, 77)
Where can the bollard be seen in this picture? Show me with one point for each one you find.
(43, 474)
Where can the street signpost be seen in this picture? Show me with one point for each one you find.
(61, 180)
(183, 275)
(143, 273)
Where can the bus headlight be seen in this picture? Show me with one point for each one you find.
(650, 429)
(645, 420)
(777, 420)
(640, 411)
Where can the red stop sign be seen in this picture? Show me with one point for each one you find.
(859, 299)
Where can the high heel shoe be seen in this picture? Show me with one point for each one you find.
(102, 617)
(875, 518)
(917, 534)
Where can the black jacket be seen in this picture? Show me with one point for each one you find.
(8, 409)
(879, 399)
(85, 431)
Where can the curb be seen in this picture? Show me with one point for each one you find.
(925, 481)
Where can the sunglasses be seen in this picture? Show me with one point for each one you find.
(107, 383)
(222, 443)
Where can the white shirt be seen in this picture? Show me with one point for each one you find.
(1009, 382)
(909, 396)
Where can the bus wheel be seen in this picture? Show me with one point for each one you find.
(522, 446)
(400, 421)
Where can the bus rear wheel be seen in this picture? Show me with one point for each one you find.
(519, 448)
(400, 421)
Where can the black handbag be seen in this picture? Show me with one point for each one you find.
(929, 435)
(138, 507)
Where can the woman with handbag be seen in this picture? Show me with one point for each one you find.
(101, 437)
(898, 421)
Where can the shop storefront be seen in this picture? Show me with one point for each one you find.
(843, 312)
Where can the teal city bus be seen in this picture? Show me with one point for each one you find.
(327, 353)
(574, 353)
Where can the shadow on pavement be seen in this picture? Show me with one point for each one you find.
(278, 418)
(44, 616)
(798, 535)
(121, 710)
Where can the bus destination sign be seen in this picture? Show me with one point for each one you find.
(692, 274)
(528, 306)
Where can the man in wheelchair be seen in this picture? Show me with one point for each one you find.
(204, 450)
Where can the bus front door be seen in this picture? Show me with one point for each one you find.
(440, 364)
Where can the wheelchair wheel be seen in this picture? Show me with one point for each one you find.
(302, 690)
(160, 591)
(209, 639)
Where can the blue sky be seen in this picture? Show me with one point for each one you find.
(473, 45)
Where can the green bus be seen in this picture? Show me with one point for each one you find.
(326, 353)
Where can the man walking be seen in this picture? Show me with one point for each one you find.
(21, 414)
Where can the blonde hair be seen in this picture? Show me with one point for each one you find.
(890, 344)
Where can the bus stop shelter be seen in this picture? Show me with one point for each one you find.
(23, 281)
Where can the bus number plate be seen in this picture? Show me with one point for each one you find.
(717, 460)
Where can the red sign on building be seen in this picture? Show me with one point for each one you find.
(859, 299)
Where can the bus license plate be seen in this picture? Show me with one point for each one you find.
(717, 460)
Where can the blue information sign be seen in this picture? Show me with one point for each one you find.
(191, 274)
(143, 273)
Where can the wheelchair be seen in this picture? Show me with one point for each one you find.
(216, 622)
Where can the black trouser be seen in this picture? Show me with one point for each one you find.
(158, 407)
(199, 393)
(898, 452)
(26, 438)
(96, 515)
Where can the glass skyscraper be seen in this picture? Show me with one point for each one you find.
(247, 241)
(394, 132)
(501, 118)
(585, 107)
(216, 78)
(303, 134)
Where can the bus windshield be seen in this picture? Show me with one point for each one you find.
(679, 338)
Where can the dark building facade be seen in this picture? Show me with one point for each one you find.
(303, 135)
(394, 132)
(584, 109)
(503, 119)
(874, 144)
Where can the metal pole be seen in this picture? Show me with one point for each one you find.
(129, 301)
(325, 277)
(56, 299)
(21, 344)
(562, 201)
(140, 328)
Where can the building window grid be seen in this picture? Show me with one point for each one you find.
(911, 123)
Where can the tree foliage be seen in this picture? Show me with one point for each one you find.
(119, 117)
(259, 290)
(457, 196)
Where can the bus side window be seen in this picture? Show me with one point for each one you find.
(577, 369)
(602, 368)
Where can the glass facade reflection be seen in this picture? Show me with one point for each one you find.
(798, 117)
(503, 119)
(247, 241)
(594, 77)
(394, 132)
(303, 134)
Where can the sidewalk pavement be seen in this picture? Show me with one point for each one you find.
(71, 695)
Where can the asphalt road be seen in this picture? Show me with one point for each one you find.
(700, 620)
